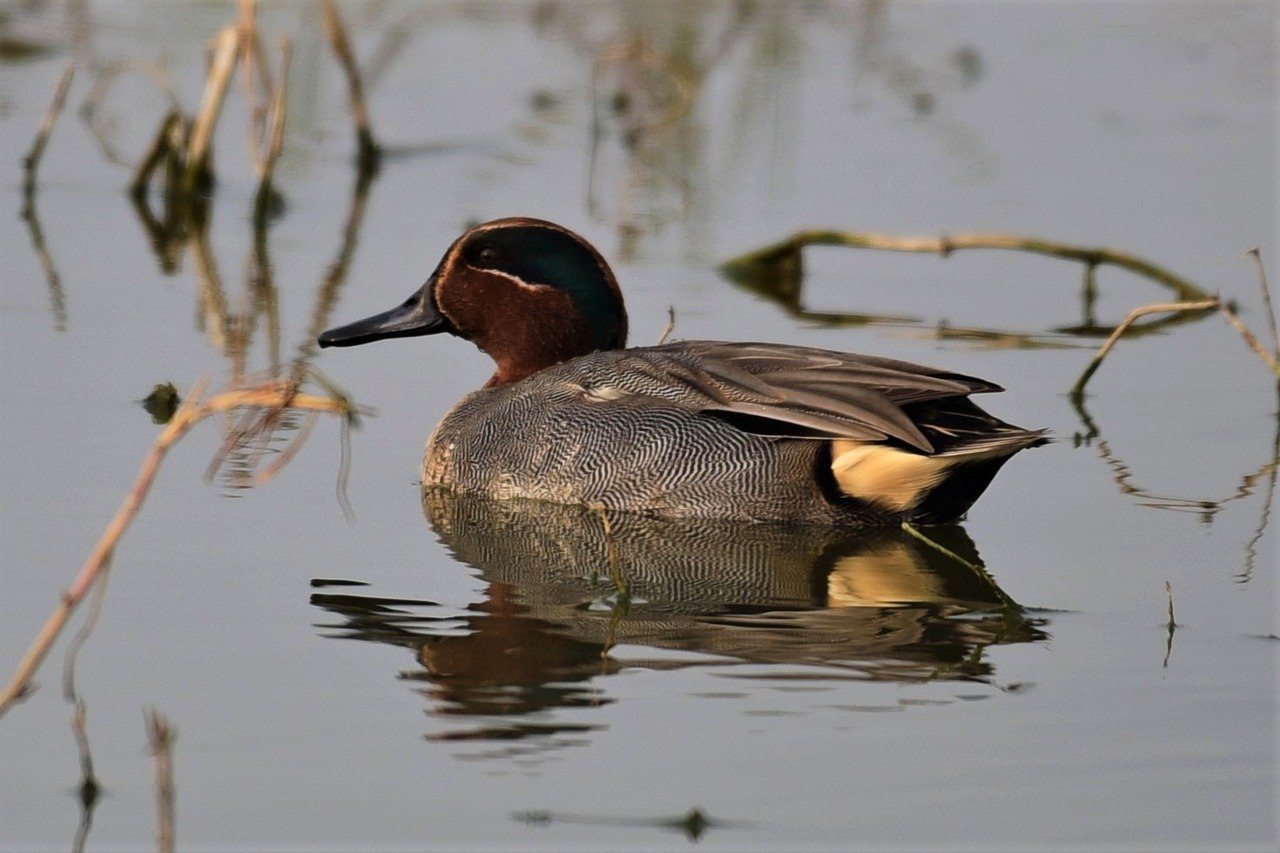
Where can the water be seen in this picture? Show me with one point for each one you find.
(509, 685)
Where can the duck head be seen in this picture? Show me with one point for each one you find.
(527, 292)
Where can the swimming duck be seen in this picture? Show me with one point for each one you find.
(693, 429)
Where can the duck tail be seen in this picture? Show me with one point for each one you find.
(969, 447)
(968, 477)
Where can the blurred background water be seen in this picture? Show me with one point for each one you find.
(801, 691)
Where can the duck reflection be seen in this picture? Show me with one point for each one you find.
(568, 586)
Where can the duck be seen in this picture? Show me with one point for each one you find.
(754, 432)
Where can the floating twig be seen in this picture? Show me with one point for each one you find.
(1163, 308)
(160, 739)
(31, 163)
(269, 395)
(693, 823)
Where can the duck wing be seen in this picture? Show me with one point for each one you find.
(782, 390)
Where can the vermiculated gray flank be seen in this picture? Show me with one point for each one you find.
(707, 429)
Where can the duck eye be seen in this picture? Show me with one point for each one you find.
(487, 255)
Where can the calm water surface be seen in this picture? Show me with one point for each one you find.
(489, 685)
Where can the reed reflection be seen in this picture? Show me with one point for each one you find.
(1205, 507)
(566, 590)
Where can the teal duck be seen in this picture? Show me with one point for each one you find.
(692, 429)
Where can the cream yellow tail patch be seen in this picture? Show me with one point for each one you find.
(899, 479)
(883, 475)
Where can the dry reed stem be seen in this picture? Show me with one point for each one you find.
(1266, 299)
(255, 71)
(669, 327)
(279, 109)
(275, 143)
(160, 738)
(1163, 308)
(269, 395)
(945, 245)
(31, 163)
(1250, 339)
(226, 47)
(249, 15)
(337, 33)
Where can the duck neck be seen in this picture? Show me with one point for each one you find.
(523, 349)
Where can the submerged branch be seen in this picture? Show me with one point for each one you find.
(785, 255)
(669, 327)
(777, 270)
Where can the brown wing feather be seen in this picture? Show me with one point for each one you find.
(775, 389)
